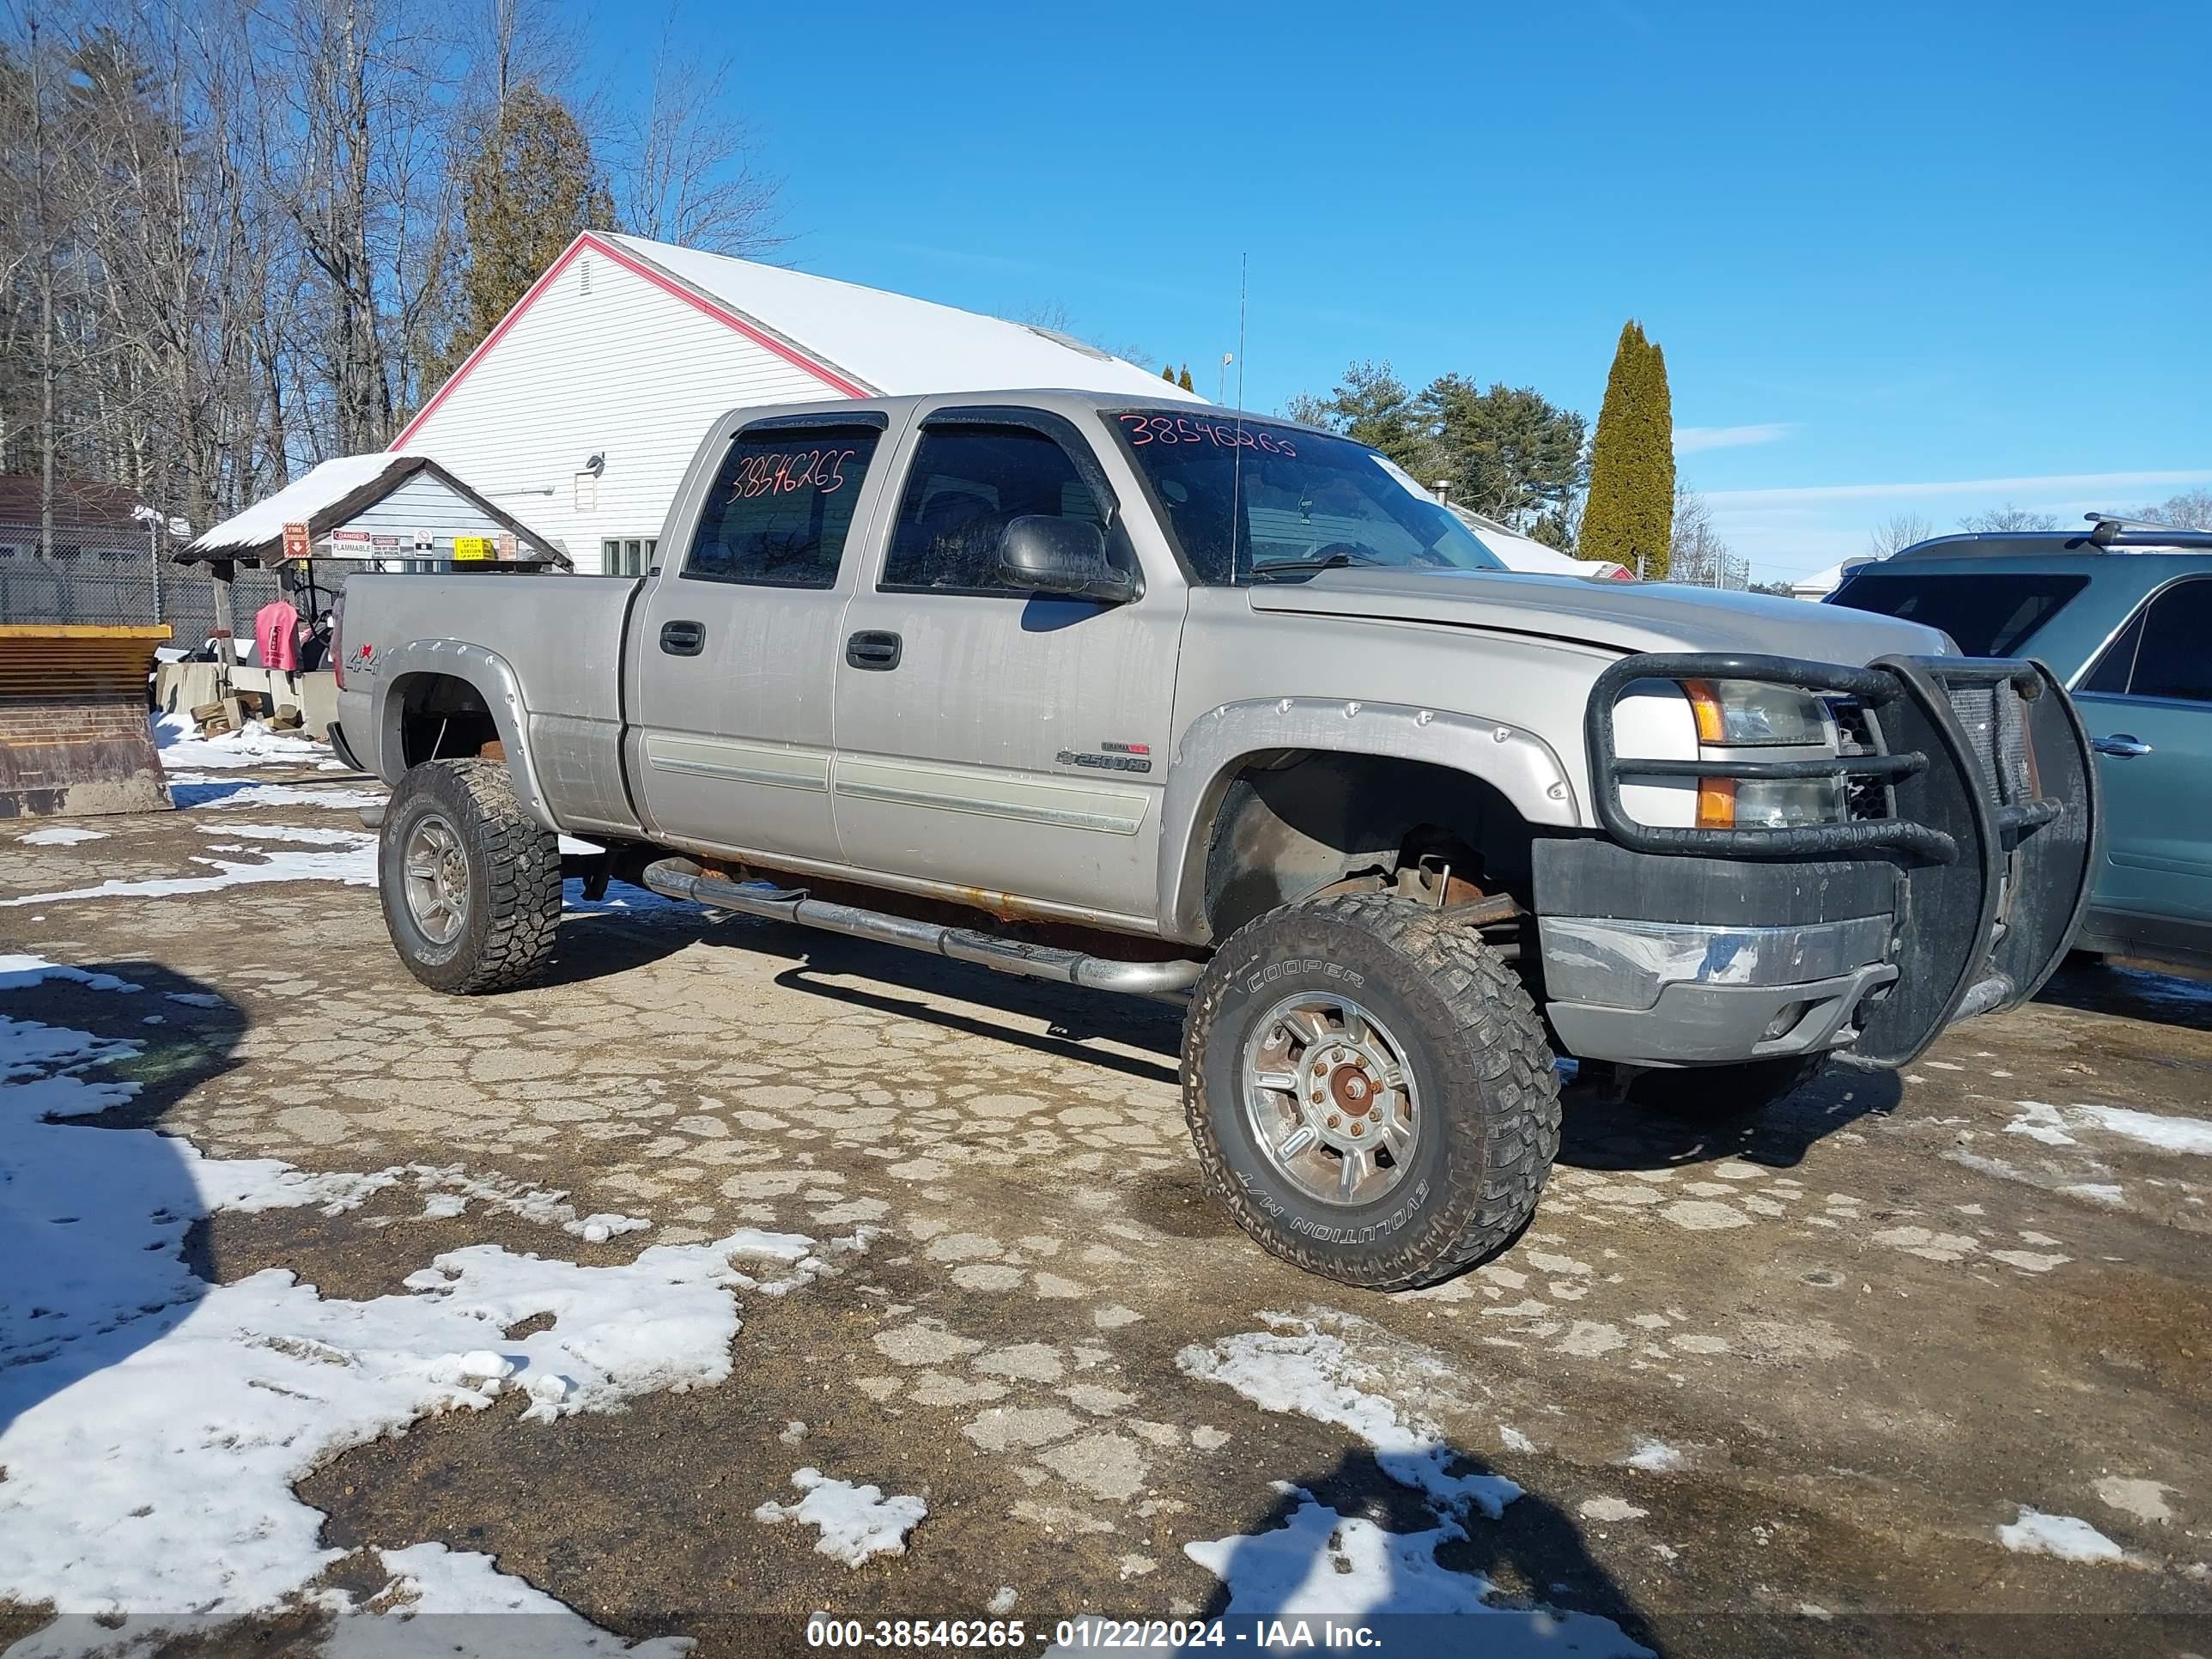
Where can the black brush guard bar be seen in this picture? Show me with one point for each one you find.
(1992, 835)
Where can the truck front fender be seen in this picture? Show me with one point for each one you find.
(493, 679)
(1515, 762)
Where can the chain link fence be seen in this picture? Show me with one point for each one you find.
(96, 575)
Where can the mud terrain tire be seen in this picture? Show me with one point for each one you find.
(499, 868)
(1485, 1096)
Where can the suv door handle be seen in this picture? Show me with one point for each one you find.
(682, 638)
(874, 648)
(2121, 743)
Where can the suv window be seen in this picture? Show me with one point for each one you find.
(780, 507)
(2161, 653)
(967, 485)
(1991, 616)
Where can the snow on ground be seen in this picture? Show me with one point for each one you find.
(153, 1426)
(19, 972)
(1298, 1367)
(856, 1522)
(2065, 1536)
(61, 835)
(1321, 1564)
(1331, 1367)
(350, 858)
(2049, 1124)
(433, 1587)
(251, 745)
(192, 798)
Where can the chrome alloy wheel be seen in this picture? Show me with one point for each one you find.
(437, 879)
(1329, 1098)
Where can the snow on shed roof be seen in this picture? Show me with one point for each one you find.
(894, 343)
(327, 495)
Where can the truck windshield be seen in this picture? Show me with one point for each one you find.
(1249, 500)
(1991, 616)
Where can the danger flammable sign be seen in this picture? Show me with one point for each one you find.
(295, 541)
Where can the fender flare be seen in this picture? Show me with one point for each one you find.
(492, 677)
(1513, 760)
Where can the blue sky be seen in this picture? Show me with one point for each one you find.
(1924, 258)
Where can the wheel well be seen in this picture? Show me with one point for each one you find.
(442, 717)
(1293, 822)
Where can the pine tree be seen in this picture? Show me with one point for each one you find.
(1167, 372)
(1185, 382)
(1630, 511)
(532, 186)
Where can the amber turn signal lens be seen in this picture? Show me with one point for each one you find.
(1715, 803)
(1712, 721)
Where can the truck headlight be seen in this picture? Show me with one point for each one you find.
(1754, 714)
(1769, 803)
(1737, 714)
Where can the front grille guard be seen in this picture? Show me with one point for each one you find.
(1990, 815)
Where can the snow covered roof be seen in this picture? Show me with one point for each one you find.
(327, 495)
(893, 343)
(1821, 583)
(1525, 553)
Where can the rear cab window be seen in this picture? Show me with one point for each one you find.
(1986, 616)
(781, 505)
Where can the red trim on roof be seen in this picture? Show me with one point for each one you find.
(697, 301)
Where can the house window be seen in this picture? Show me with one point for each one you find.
(627, 555)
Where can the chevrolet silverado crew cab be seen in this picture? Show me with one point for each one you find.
(1182, 702)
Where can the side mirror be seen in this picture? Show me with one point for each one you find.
(1046, 555)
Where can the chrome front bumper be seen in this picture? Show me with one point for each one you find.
(1685, 994)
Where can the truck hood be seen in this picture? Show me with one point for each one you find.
(1625, 617)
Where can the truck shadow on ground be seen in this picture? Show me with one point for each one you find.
(1357, 1544)
(2132, 991)
(1596, 1134)
(99, 1221)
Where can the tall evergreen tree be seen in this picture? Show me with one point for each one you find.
(1631, 508)
(1185, 380)
(1167, 372)
(531, 187)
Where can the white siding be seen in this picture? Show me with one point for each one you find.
(602, 362)
(425, 503)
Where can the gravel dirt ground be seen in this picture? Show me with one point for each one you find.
(1868, 1374)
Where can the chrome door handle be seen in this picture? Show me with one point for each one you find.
(2121, 743)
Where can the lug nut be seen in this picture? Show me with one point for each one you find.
(1333, 1120)
(1360, 1128)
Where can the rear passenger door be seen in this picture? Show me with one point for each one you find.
(736, 656)
(992, 739)
(2147, 703)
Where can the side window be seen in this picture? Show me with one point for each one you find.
(780, 507)
(2172, 661)
(2111, 672)
(968, 483)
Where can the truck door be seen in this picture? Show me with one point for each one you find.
(2147, 703)
(994, 738)
(736, 655)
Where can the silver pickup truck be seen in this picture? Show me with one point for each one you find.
(1181, 703)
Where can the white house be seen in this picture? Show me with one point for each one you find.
(581, 410)
(1823, 582)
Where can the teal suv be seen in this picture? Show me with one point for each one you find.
(2123, 614)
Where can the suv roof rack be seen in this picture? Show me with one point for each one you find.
(2108, 532)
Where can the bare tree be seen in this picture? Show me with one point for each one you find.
(2009, 518)
(1699, 556)
(1898, 533)
(2191, 509)
(684, 166)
